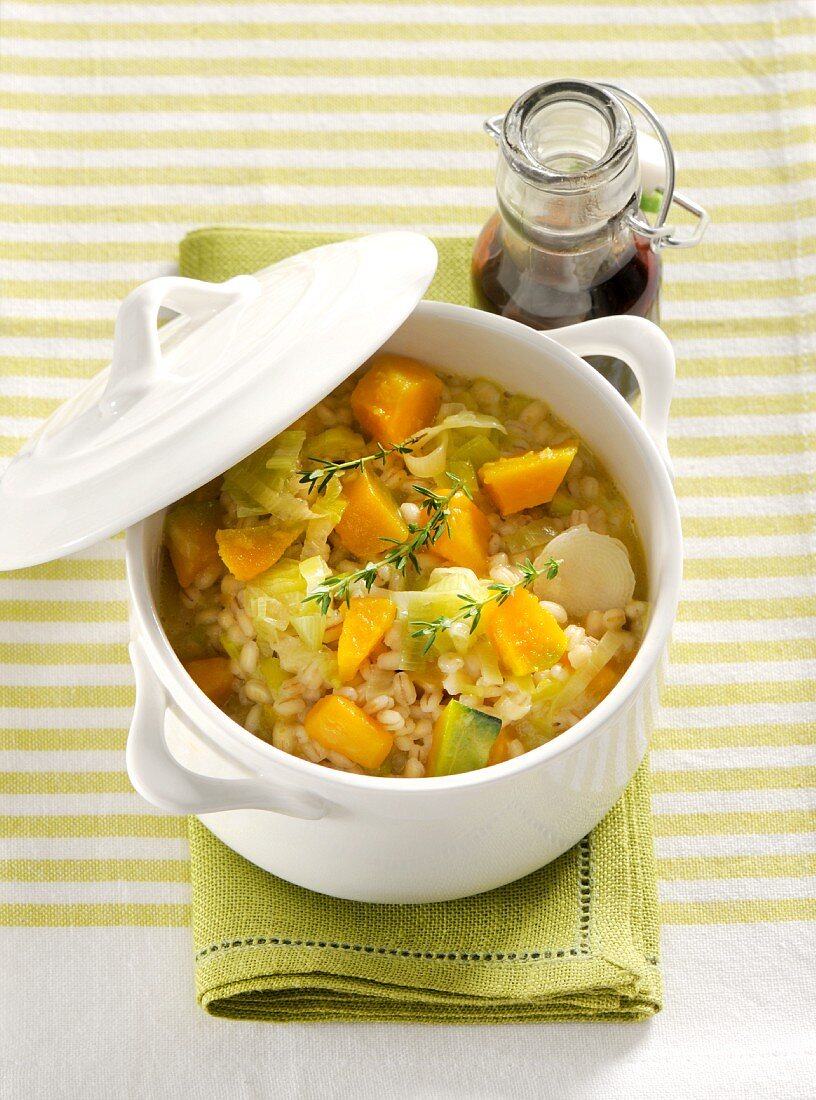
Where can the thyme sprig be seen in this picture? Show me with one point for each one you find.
(401, 554)
(471, 609)
(326, 469)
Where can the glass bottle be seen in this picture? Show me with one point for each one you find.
(568, 241)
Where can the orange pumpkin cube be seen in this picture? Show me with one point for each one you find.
(341, 726)
(501, 749)
(525, 481)
(189, 532)
(367, 619)
(249, 551)
(395, 398)
(371, 516)
(466, 544)
(212, 675)
(525, 637)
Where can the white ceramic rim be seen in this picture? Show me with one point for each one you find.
(202, 712)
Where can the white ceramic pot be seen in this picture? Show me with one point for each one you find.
(413, 840)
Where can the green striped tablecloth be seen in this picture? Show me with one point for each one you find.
(123, 126)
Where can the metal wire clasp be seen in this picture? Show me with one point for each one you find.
(661, 235)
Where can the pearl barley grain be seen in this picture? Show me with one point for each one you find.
(614, 619)
(257, 692)
(410, 512)
(596, 623)
(391, 719)
(389, 661)
(229, 585)
(283, 737)
(556, 610)
(588, 488)
(252, 722)
(288, 708)
(249, 658)
(579, 655)
(404, 690)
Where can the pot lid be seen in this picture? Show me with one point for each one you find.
(181, 404)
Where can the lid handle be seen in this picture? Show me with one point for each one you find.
(137, 354)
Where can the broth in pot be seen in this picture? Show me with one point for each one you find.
(424, 575)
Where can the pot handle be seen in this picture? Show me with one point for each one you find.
(648, 352)
(164, 782)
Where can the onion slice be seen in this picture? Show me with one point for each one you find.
(476, 421)
(594, 572)
(433, 463)
(430, 465)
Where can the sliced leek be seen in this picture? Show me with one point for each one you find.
(258, 483)
(530, 536)
(594, 572)
(608, 647)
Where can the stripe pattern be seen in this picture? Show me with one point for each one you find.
(123, 125)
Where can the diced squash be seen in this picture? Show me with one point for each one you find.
(395, 398)
(250, 551)
(463, 739)
(341, 726)
(189, 532)
(525, 637)
(501, 749)
(366, 621)
(213, 676)
(371, 516)
(470, 530)
(525, 481)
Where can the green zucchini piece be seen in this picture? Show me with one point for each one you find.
(462, 740)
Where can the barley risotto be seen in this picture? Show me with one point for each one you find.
(424, 575)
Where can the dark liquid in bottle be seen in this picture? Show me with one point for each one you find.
(549, 290)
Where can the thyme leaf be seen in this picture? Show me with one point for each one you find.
(471, 609)
(401, 554)
(326, 469)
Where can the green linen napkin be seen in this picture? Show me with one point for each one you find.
(576, 940)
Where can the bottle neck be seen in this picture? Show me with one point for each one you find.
(568, 171)
(567, 221)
